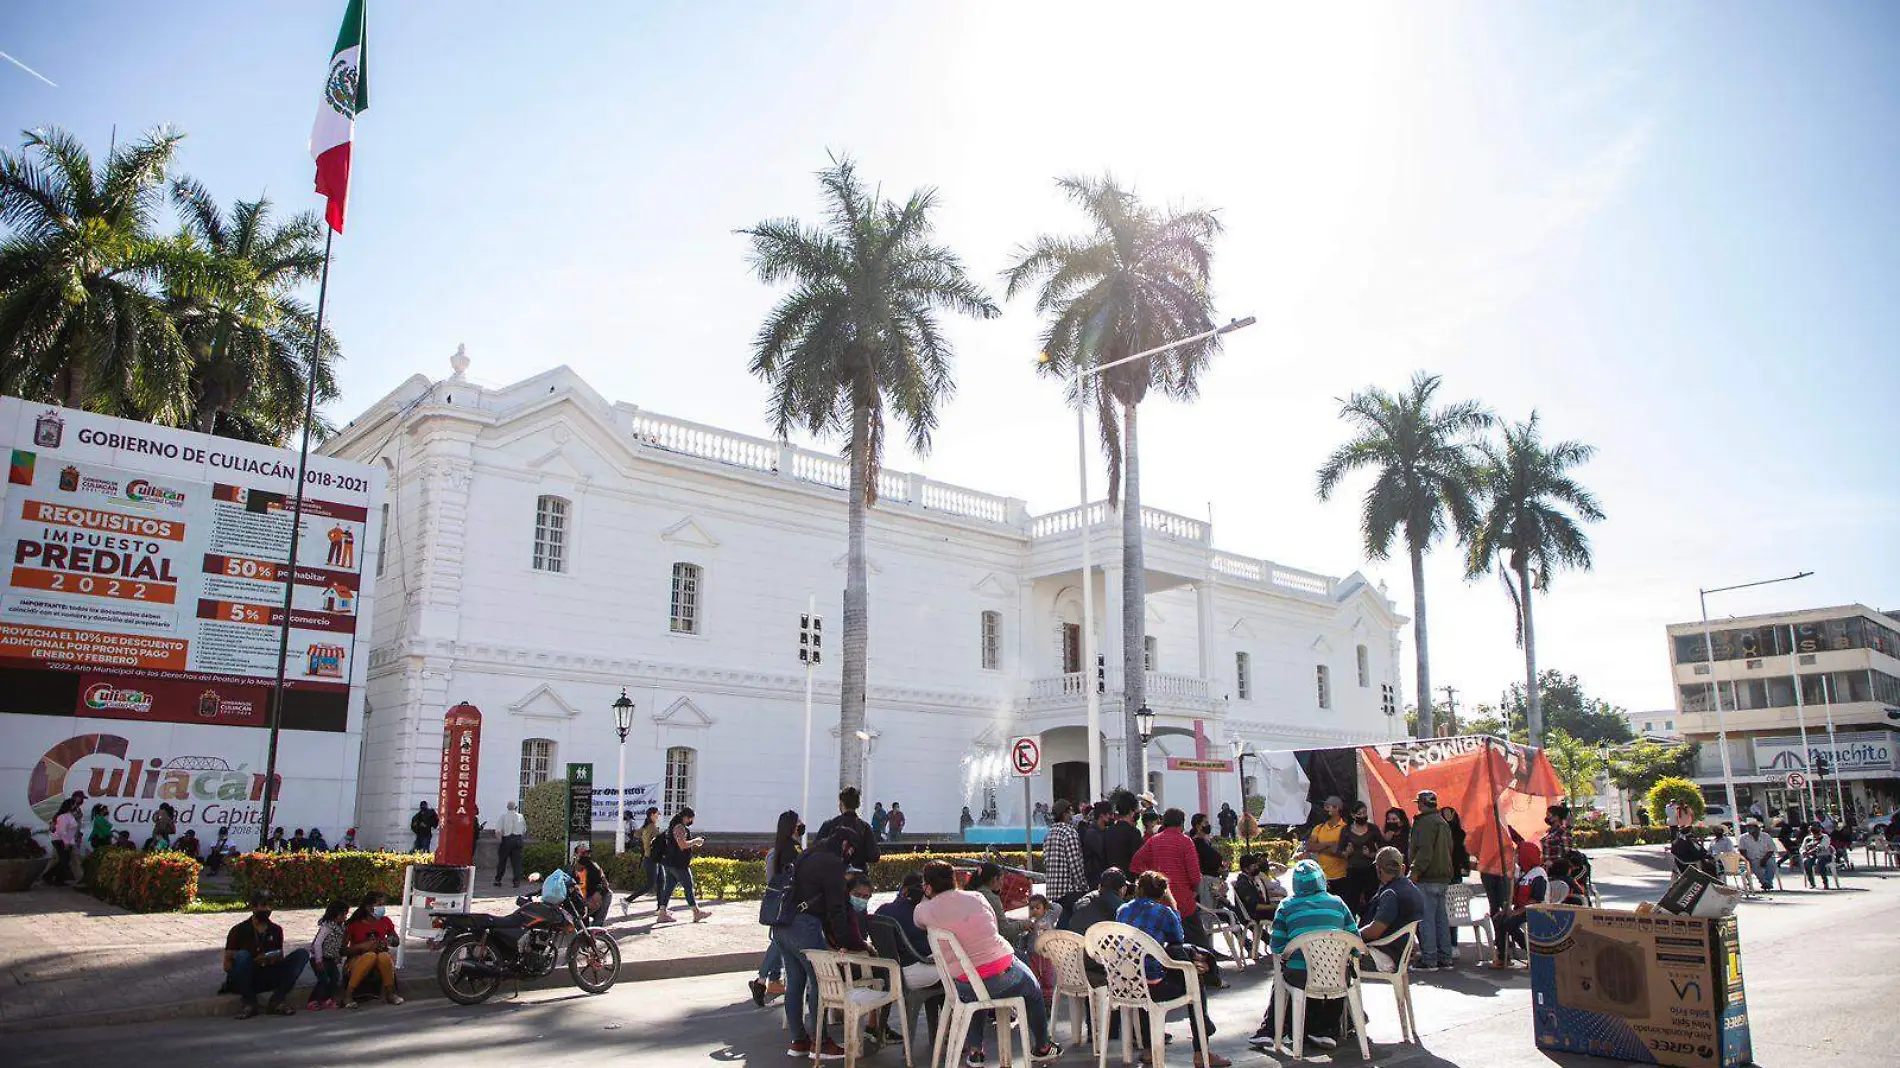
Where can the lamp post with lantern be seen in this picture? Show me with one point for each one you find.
(1145, 727)
(623, 724)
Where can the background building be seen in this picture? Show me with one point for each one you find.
(545, 548)
(1659, 724)
(1778, 673)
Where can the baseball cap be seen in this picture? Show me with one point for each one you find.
(1428, 797)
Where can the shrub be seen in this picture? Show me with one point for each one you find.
(1681, 791)
(16, 842)
(544, 857)
(545, 810)
(312, 880)
(143, 882)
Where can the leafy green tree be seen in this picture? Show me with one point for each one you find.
(1532, 525)
(251, 344)
(1424, 478)
(1637, 767)
(1681, 791)
(544, 808)
(1576, 762)
(1138, 279)
(858, 333)
(1568, 707)
(81, 321)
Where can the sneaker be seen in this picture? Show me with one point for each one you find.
(1051, 1051)
(1323, 1041)
(758, 992)
(701, 915)
(313, 1006)
(352, 1004)
(775, 989)
(247, 1012)
(664, 916)
(329, 1003)
(830, 1051)
(973, 1059)
(1214, 1060)
(800, 1048)
(394, 998)
(278, 1008)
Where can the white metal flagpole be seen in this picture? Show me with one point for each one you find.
(804, 792)
(1093, 700)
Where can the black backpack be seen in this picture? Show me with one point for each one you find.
(776, 908)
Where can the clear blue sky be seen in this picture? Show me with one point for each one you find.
(1672, 229)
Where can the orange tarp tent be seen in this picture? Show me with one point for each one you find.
(1492, 783)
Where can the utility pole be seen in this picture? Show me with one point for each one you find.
(1451, 705)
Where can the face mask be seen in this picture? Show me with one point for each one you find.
(378, 911)
(261, 915)
(1359, 819)
(860, 903)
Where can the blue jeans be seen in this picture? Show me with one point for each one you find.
(774, 964)
(329, 979)
(1765, 872)
(1017, 982)
(679, 876)
(248, 976)
(1434, 929)
(801, 981)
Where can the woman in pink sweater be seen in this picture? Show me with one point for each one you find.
(967, 916)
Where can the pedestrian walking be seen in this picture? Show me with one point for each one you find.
(1432, 870)
(676, 860)
(513, 828)
(1229, 821)
(100, 835)
(879, 819)
(423, 824)
(864, 852)
(897, 820)
(164, 825)
(65, 839)
(649, 834)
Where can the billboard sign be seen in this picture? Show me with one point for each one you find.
(142, 573)
(1853, 754)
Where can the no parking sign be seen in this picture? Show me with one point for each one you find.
(1025, 755)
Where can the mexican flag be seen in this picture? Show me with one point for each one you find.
(345, 92)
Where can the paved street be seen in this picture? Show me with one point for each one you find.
(1817, 965)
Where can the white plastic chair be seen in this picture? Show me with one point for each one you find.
(1124, 952)
(955, 1023)
(1459, 898)
(1328, 957)
(1218, 923)
(854, 1001)
(1877, 849)
(1735, 873)
(1068, 952)
(1400, 978)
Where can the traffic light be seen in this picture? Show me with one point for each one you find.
(811, 639)
(1821, 764)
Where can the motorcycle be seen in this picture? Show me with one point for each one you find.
(481, 950)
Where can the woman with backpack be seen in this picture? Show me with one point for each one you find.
(778, 880)
(676, 861)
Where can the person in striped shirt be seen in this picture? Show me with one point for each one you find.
(1310, 909)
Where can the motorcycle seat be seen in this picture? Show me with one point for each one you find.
(480, 921)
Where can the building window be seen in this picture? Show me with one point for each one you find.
(382, 542)
(1669, 724)
(1069, 647)
(1365, 673)
(1388, 699)
(1243, 676)
(537, 762)
(685, 599)
(992, 640)
(1149, 652)
(1324, 677)
(550, 534)
(678, 792)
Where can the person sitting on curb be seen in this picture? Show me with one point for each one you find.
(369, 938)
(254, 960)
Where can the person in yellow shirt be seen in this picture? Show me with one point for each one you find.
(1325, 842)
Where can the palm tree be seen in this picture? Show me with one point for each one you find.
(251, 345)
(858, 332)
(80, 322)
(1424, 475)
(1528, 530)
(1137, 280)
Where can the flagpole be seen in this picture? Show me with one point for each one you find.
(296, 534)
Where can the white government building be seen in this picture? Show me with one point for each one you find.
(545, 547)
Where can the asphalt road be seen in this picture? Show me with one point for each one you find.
(1818, 968)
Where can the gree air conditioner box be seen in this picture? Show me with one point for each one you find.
(1656, 989)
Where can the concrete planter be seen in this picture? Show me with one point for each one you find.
(17, 875)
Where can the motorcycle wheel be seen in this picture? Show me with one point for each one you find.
(467, 989)
(594, 962)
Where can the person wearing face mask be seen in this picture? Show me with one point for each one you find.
(1362, 844)
(370, 935)
(676, 862)
(254, 960)
(1398, 831)
(1325, 844)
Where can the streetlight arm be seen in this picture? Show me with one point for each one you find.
(1763, 582)
(1237, 324)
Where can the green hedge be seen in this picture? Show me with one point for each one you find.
(142, 882)
(1681, 791)
(313, 880)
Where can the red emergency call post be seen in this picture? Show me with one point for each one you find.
(461, 760)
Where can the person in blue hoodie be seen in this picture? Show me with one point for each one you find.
(1309, 909)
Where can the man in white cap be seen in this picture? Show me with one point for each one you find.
(1432, 871)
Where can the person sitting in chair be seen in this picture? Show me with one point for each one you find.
(1396, 903)
(1310, 909)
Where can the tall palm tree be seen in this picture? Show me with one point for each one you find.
(251, 344)
(1138, 279)
(857, 333)
(80, 320)
(1533, 511)
(1424, 476)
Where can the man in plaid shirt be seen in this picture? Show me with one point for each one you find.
(1062, 859)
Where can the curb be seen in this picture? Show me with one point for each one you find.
(420, 987)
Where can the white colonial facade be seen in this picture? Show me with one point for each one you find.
(545, 548)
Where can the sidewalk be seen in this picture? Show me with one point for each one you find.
(71, 960)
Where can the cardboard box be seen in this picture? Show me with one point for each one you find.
(1656, 989)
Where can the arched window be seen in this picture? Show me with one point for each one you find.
(1365, 673)
(992, 640)
(550, 533)
(685, 615)
(677, 790)
(537, 762)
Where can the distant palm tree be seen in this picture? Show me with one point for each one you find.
(81, 322)
(1424, 476)
(1527, 531)
(1137, 280)
(859, 331)
(251, 345)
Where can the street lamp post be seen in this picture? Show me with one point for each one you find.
(1145, 727)
(1092, 699)
(623, 723)
(864, 760)
(1715, 684)
(1240, 773)
(1827, 703)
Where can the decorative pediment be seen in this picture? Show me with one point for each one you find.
(544, 702)
(1321, 645)
(1242, 629)
(683, 713)
(688, 532)
(556, 463)
(992, 586)
(870, 563)
(1359, 624)
(1154, 614)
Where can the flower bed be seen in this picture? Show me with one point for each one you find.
(313, 880)
(142, 882)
